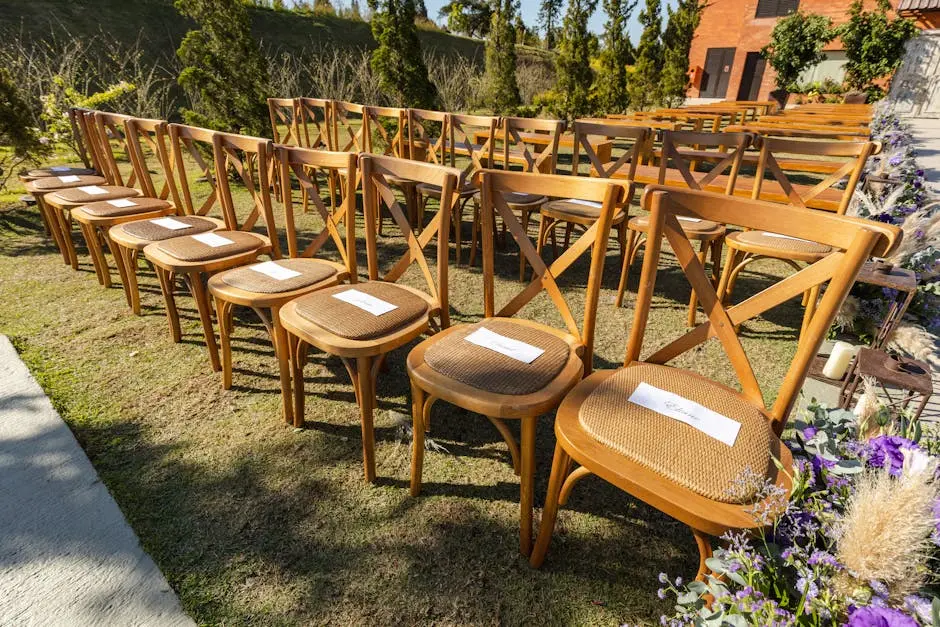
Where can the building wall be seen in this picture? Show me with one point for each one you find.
(731, 24)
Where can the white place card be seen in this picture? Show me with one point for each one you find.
(212, 240)
(685, 219)
(520, 351)
(366, 302)
(93, 190)
(170, 223)
(710, 423)
(275, 271)
(586, 203)
(71, 178)
(59, 168)
(121, 202)
(779, 236)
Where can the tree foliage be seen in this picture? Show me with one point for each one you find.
(468, 17)
(398, 62)
(874, 43)
(644, 82)
(677, 41)
(502, 89)
(611, 84)
(796, 43)
(573, 63)
(16, 130)
(549, 16)
(223, 69)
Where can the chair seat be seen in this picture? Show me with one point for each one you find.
(678, 451)
(40, 173)
(311, 271)
(519, 198)
(435, 191)
(189, 249)
(55, 183)
(104, 208)
(150, 231)
(577, 209)
(757, 240)
(690, 226)
(83, 195)
(349, 321)
(485, 369)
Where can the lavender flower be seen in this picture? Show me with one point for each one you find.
(884, 451)
(880, 617)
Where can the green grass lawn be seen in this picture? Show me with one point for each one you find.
(252, 521)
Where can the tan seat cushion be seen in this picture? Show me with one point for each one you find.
(351, 322)
(104, 209)
(488, 370)
(59, 171)
(575, 208)
(518, 198)
(311, 271)
(77, 195)
(149, 231)
(54, 183)
(678, 451)
(783, 244)
(642, 223)
(189, 249)
(435, 191)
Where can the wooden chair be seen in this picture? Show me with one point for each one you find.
(265, 289)
(711, 485)
(193, 257)
(143, 138)
(730, 147)
(193, 194)
(746, 247)
(326, 320)
(450, 367)
(571, 212)
(285, 121)
(81, 144)
(314, 119)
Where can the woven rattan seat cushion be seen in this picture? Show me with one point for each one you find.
(576, 209)
(311, 271)
(518, 198)
(348, 321)
(53, 183)
(104, 209)
(435, 191)
(680, 452)
(150, 232)
(494, 372)
(642, 223)
(47, 172)
(112, 192)
(783, 244)
(190, 249)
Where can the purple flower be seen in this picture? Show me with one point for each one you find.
(879, 617)
(884, 451)
(936, 521)
(809, 432)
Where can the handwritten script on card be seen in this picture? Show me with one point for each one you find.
(679, 408)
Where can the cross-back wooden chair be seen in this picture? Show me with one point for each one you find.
(575, 212)
(193, 195)
(315, 119)
(676, 168)
(362, 324)
(451, 366)
(80, 141)
(265, 288)
(196, 255)
(285, 115)
(347, 137)
(772, 182)
(612, 423)
(147, 143)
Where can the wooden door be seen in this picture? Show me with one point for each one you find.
(718, 63)
(752, 76)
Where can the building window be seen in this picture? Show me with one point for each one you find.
(776, 8)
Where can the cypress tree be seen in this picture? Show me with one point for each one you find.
(677, 41)
(573, 64)
(611, 84)
(643, 86)
(549, 14)
(397, 60)
(502, 88)
(223, 68)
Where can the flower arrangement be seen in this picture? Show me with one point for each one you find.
(854, 546)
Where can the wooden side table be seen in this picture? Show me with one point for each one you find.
(904, 282)
(909, 376)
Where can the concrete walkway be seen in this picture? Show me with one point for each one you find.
(67, 555)
(926, 132)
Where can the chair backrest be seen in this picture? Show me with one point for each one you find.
(79, 134)
(107, 133)
(426, 137)
(610, 193)
(376, 192)
(298, 164)
(769, 162)
(388, 126)
(148, 145)
(346, 135)
(193, 171)
(464, 131)
(529, 142)
(285, 114)
(729, 146)
(315, 122)
(250, 160)
(853, 240)
(638, 137)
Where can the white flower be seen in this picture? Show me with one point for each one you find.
(917, 462)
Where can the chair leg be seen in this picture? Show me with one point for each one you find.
(543, 233)
(811, 298)
(622, 240)
(128, 259)
(366, 413)
(91, 243)
(560, 464)
(474, 230)
(282, 352)
(527, 483)
(295, 392)
(167, 279)
(118, 263)
(65, 230)
(223, 313)
(201, 296)
(625, 267)
(49, 218)
(525, 230)
(417, 441)
(723, 284)
(704, 552)
(693, 298)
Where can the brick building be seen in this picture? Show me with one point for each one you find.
(725, 61)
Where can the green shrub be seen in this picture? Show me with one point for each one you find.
(16, 130)
(796, 44)
(874, 45)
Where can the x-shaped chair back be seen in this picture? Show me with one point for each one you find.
(76, 122)
(388, 128)
(611, 193)
(462, 129)
(285, 114)
(731, 145)
(148, 143)
(583, 131)
(314, 120)
(346, 137)
(853, 240)
(376, 192)
(107, 134)
(250, 159)
(427, 129)
(856, 153)
(193, 165)
(541, 158)
(299, 164)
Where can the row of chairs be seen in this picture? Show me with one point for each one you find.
(306, 300)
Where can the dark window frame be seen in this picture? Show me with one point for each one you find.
(776, 8)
